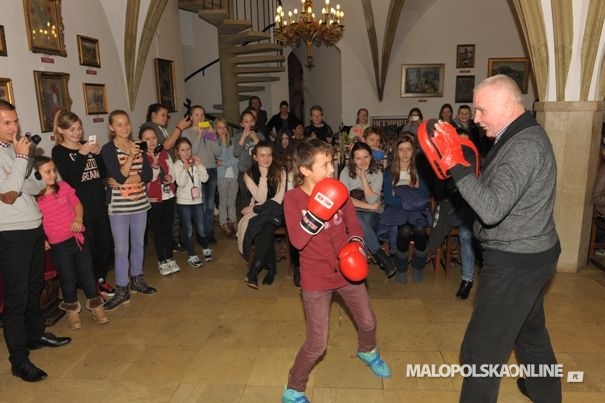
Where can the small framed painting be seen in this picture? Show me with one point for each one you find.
(88, 49)
(464, 89)
(6, 90)
(164, 77)
(422, 80)
(465, 56)
(95, 98)
(516, 68)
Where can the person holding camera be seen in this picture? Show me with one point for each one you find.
(414, 119)
(161, 193)
(80, 164)
(21, 251)
(205, 146)
(128, 171)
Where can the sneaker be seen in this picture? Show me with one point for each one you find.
(293, 396)
(104, 289)
(172, 266)
(194, 261)
(401, 277)
(121, 297)
(208, 254)
(600, 252)
(163, 268)
(138, 284)
(373, 360)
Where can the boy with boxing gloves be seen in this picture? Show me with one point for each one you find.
(322, 224)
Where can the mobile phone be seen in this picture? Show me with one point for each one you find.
(92, 139)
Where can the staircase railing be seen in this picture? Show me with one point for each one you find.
(260, 12)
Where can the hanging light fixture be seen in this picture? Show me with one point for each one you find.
(296, 27)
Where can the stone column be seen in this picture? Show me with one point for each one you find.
(575, 132)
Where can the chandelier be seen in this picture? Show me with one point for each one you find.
(297, 26)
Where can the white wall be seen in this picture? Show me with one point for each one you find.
(100, 20)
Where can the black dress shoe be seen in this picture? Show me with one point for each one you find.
(465, 289)
(48, 340)
(522, 387)
(29, 372)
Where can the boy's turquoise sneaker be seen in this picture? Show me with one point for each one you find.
(376, 363)
(293, 396)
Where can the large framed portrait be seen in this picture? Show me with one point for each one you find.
(88, 49)
(6, 90)
(422, 80)
(3, 51)
(164, 78)
(52, 91)
(465, 56)
(95, 98)
(44, 26)
(516, 68)
(464, 89)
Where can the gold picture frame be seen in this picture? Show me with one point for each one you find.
(88, 50)
(52, 92)
(465, 56)
(44, 26)
(422, 80)
(6, 90)
(95, 98)
(516, 68)
(3, 51)
(164, 79)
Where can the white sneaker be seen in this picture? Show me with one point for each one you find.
(208, 254)
(194, 261)
(163, 268)
(172, 266)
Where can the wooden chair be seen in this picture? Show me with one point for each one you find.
(598, 222)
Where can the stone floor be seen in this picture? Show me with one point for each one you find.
(206, 337)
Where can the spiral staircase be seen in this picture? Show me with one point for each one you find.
(247, 57)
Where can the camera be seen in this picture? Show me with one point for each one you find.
(143, 146)
(157, 149)
(34, 138)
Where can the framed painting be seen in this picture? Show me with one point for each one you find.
(516, 68)
(422, 80)
(2, 42)
(6, 90)
(52, 91)
(164, 79)
(44, 26)
(464, 89)
(465, 56)
(88, 49)
(95, 98)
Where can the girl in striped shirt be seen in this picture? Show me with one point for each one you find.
(127, 170)
(62, 215)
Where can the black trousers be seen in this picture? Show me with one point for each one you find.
(22, 266)
(162, 217)
(74, 264)
(509, 313)
(98, 235)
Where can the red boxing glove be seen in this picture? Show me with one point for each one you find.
(328, 196)
(353, 262)
(443, 146)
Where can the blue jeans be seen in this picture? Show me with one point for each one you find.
(369, 222)
(128, 232)
(467, 252)
(74, 264)
(192, 214)
(209, 191)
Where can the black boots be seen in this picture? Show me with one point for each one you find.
(271, 273)
(385, 263)
(465, 289)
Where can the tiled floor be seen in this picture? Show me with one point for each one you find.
(206, 337)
